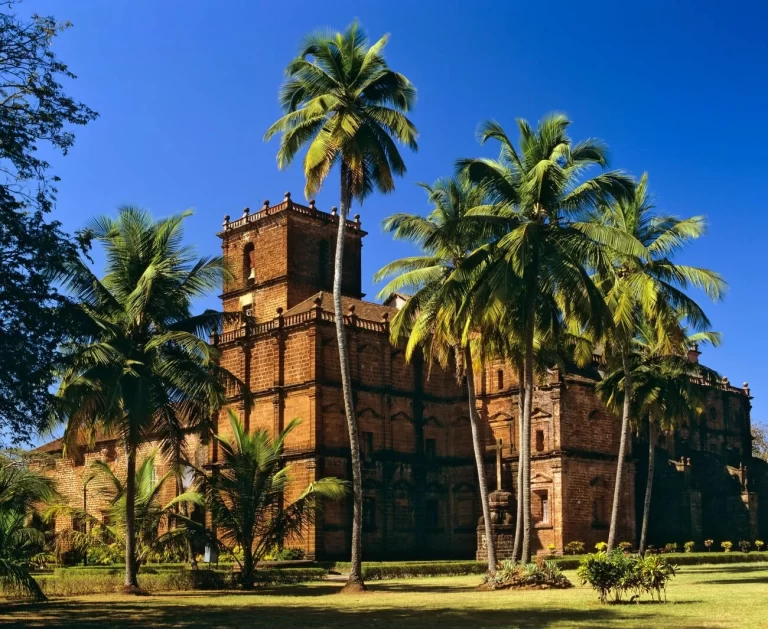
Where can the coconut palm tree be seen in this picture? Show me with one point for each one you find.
(21, 545)
(647, 286)
(139, 365)
(430, 319)
(345, 104)
(246, 494)
(150, 514)
(537, 195)
(667, 390)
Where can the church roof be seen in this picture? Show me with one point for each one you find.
(363, 309)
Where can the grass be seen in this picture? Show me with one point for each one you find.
(704, 597)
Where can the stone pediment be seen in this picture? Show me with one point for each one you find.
(539, 414)
(599, 481)
(433, 420)
(400, 416)
(333, 406)
(368, 412)
(540, 478)
(501, 416)
(461, 419)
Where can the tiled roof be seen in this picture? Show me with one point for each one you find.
(363, 309)
(57, 444)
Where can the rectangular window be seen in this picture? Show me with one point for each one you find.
(541, 507)
(369, 514)
(545, 508)
(598, 510)
(430, 449)
(539, 441)
(366, 445)
(500, 379)
(432, 515)
(465, 512)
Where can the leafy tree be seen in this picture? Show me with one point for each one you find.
(21, 545)
(642, 282)
(541, 263)
(150, 515)
(759, 441)
(246, 494)
(35, 113)
(347, 106)
(427, 319)
(140, 365)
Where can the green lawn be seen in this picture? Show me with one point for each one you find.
(701, 596)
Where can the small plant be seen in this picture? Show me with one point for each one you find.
(745, 546)
(544, 574)
(759, 545)
(708, 544)
(615, 574)
(726, 546)
(574, 548)
(670, 548)
(625, 546)
(689, 546)
(601, 547)
(551, 548)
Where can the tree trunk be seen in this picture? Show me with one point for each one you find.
(355, 582)
(525, 446)
(626, 409)
(131, 580)
(521, 470)
(478, 446)
(246, 578)
(183, 508)
(648, 487)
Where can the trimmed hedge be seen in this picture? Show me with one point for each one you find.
(404, 570)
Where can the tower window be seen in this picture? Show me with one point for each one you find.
(369, 513)
(541, 507)
(430, 449)
(249, 263)
(432, 513)
(539, 441)
(366, 446)
(500, 379)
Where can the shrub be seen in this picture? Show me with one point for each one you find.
(625, 546)
(615, 574)
(574, 548)
(708, 543)
(670, 548)
(287, 554)
(601, 547)
(745, 545)
(726, 546)
(552, 548)
(689, 546)
(404, 570)
(542, 574)
(759, 545)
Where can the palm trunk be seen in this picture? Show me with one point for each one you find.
(184, 509)
(479, 460)
(521, 471)
(355, 581)
(525, 446)
(618, 485)
(648, 487)
(247, 576)
(131, 580)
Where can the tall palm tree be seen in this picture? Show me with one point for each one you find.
(150, 514)
(429, 319)
(667, 390)
(21, 545)
(347, 106)
(139, 365)
(246, 495)
(541, 262)
(647, 285)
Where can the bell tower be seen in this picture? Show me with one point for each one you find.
(284, 254)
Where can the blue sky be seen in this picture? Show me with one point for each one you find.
(186, 90)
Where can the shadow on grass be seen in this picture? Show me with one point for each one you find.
(723, 569)
(87, 615)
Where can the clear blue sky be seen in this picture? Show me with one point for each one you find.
(186, 90)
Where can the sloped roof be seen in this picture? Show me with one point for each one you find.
(58, 444)
(363, 309)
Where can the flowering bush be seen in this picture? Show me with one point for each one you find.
(726, 546)
(759, 545)
(708, 543)
(601, 547)
(745, 546)
(670, 548)
(574, 548)
(625, 546)
(689, 546)
(551, 548)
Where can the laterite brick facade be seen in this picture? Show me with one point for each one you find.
(420, 488)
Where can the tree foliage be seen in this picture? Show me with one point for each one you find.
(35, 113)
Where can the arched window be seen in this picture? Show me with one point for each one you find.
(249, 263)
(322, 266)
